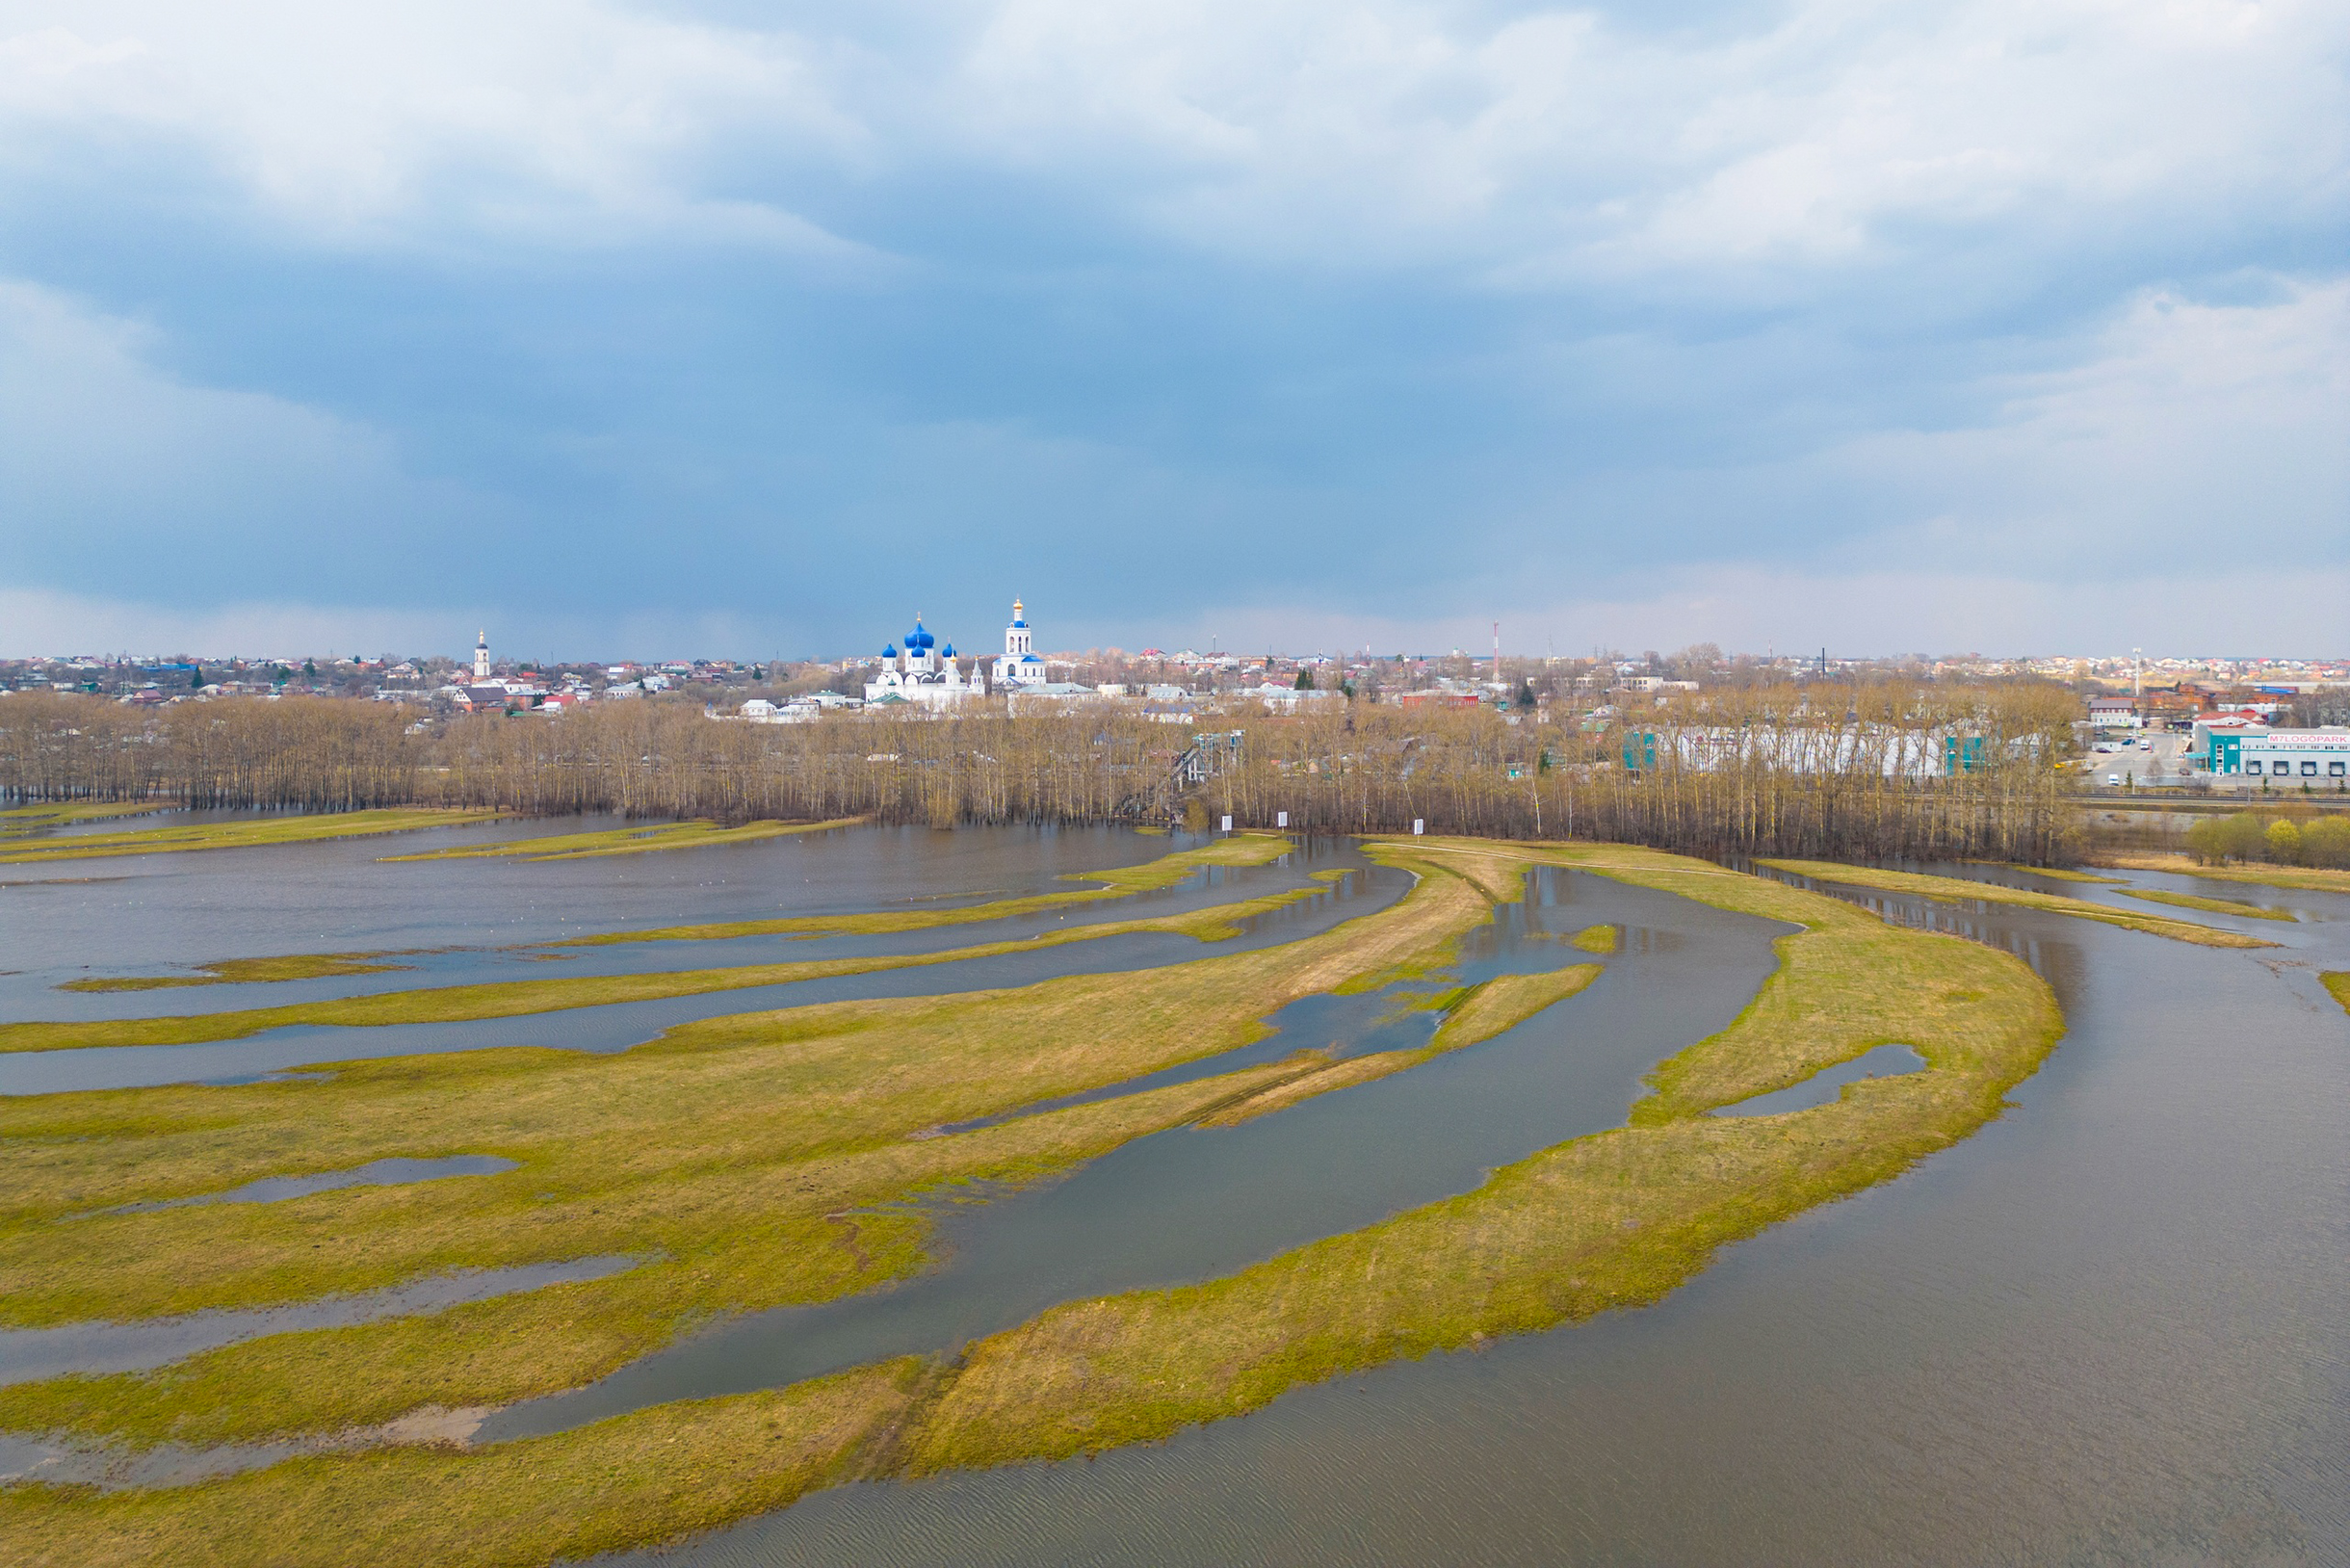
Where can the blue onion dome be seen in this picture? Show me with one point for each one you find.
(890, 652)
(919, 638)
(948, 651)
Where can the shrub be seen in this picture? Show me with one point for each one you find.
(2327, 842)
(2215, 839)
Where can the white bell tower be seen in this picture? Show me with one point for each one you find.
(1019, 666)
(480, 657)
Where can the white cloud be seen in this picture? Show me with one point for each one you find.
(1571, 144)
(1561, 145)
(367, 121)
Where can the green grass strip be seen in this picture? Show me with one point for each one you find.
(1125, 882)
(2216, 906)
(575, 1495)
(1608, 1221)
(516, 999)
(749, 1153)
(2303, 879)
(308, 829)
(2060, 873)
(1611, 1221)
(1474, 1015)
(1242, 850)
(2340, 984)
(293, 966)
(58, 814)
(697, 834)
(1598, 939)
(2055, 903)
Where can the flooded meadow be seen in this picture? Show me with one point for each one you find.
(2106, 1326)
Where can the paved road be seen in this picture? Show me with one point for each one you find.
(2164, 764)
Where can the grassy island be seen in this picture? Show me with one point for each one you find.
(1960, 888)
(2057, 874)
(63, 813)
(764, 1159)
(292, 966)
(751, 1154)
(1598, 939)
(1244, 850)
(520, 999)
(698, 834)
(1471, 1017)
(1240, 849)
(2214, 907)
(2303, 879)
(310, 827)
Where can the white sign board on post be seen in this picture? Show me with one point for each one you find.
(1227, 822)
(1280, 819)
(1417, 824)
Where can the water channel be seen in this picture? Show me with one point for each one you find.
(1193, 1203)
(1347, 886)
(2108, 1328)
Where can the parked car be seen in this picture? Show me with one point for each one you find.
(2113, 778)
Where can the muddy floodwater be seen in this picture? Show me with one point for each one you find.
(2108, 1328)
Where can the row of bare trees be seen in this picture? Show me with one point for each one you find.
(1848, 771)
(318, 755)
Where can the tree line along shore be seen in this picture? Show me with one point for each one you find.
(1762, 771)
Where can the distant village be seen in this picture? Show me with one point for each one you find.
(2216, 719)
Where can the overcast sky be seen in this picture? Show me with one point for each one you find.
(732, 329)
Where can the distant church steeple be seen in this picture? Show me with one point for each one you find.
(480, 656)
(1019, 666)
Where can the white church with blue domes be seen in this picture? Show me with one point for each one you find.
(925, 673)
